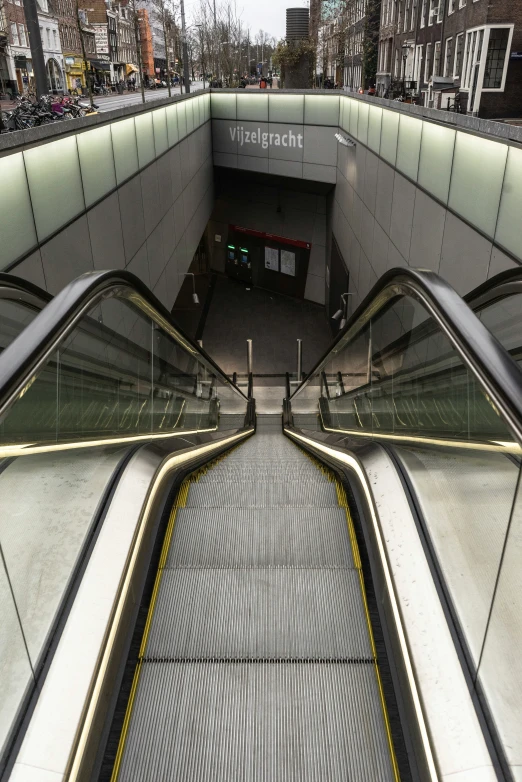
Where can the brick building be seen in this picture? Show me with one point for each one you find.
(439, 50)
(147, 51)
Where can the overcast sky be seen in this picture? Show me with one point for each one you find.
(270, 15)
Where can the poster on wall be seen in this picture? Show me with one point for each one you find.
(288, 263)
(271, 259)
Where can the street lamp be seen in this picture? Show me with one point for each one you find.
(405, 50)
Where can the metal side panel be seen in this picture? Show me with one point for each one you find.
(258, 537)
(257, 721)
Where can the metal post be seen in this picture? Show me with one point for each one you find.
(186, 74)
(299, 359)
(249, 356)
(35, 43)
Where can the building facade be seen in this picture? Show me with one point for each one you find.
(16, 60)
(159, 54)
(463, 54)
(126, 43)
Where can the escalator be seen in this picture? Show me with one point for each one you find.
(271, 596)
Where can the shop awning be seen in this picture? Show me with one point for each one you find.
(100, 65)
(131, 68)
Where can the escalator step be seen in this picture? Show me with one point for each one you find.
(259, 537)
(261, 494)
(257, 721)
(259, 613)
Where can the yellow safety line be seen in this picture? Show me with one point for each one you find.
(181, 501)
(343, 503)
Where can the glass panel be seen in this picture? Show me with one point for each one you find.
(97, 163)
(408, 147)
(321, 110)
(189, 110)
(17, 676)
(16, 223)
(478, 168)
(436, 158)
(14, 317)
(508, 225)
(362, 127)
(354, 118)
(161, 143)
(252, 107)
(345, 117)
(59, 162)
(389, 132)
(286, 108)
(103, 382)
(172, 124)
(182, 120)
(223, 106)
(374, 129)
(145, 138)
(500, 672)
(397, 379)
(125, 149)
(121, 375)
(502, 318)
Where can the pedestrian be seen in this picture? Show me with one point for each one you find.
(262, 83)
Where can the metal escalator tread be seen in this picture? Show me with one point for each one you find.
(265, 613)
(258, 662)
(262, 537)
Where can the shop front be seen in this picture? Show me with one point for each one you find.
(74, 72)
(100, 72)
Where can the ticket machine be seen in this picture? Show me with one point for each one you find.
(239, 264)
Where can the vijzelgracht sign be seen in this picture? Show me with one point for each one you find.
(264, 139)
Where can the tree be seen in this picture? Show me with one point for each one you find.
(4, 37)
(81, 20)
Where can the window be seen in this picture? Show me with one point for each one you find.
(427, 64)
(413, 15)
(462, 3)
(418, 64)
(22, 35)
(496, 58)
(396, 64)
(423, 13)
(447, 57)
(459, 46)
(451, 7)
(406, 16)
(433, 12)
(436, 59)
(14, 33)
(440, 11)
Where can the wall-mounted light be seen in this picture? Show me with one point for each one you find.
(342, 313)
(195, 297)
(346, 142)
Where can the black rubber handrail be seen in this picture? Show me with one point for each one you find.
(19, 361)
(24, 286)
(491, 363)
(487, 288)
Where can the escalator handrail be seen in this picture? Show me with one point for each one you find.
(21, 289)
(504, 284)
(21, 359)
(498, 373)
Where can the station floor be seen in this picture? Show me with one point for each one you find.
(273, 322)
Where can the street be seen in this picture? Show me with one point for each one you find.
(110, 102)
